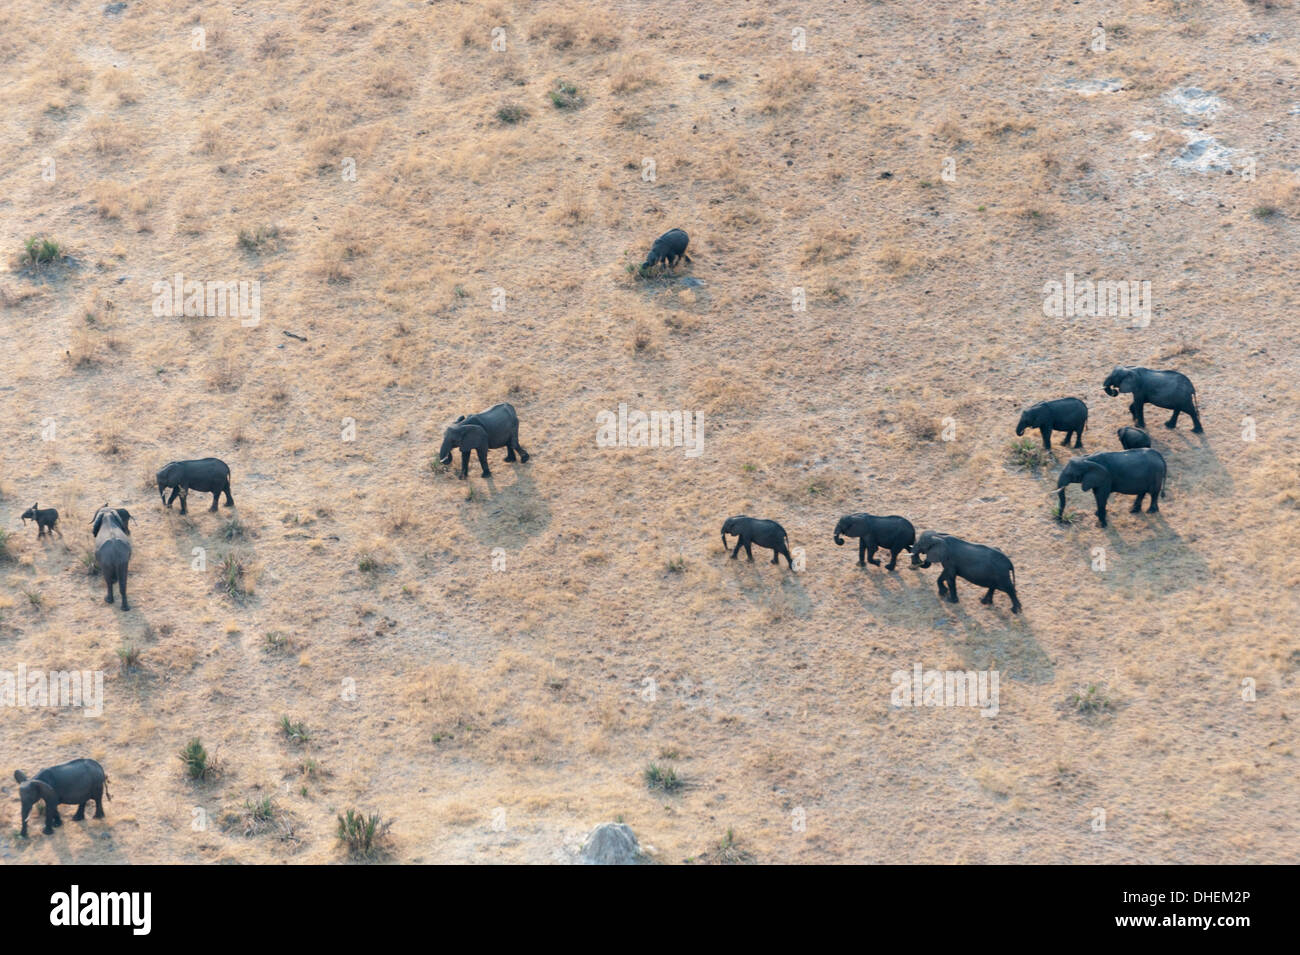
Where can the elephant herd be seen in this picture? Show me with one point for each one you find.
(1138, 470)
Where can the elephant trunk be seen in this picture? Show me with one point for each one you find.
(839, 541)
(1060, 509)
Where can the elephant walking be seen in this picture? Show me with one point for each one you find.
(1140, 471)
(894, 534)
(208, 475)
(1164, 389)
(498, 427)
(982, 566)
(111, 528)
(753, 530)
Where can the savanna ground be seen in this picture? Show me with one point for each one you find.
(499, 714)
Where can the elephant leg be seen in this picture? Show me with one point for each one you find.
(185, 492)
(108, 579)
(1137, 505)
(482, 459)
(57, 820)
(871, 556)
(1196, 420)
(1153, 506)
(81, 812)
(23, 833)
(175, 492)
(121, 586)
(1138, 414)
(464, 465)
(216, 497)
(1078, 438)
(988, 597)
(1101, 517)
(523, 455)
(788, 560)
(862, 552)
(510, 448)
(230, 501)
(1173, 421)
(1010, 588)
(99, 804)
(736, 550)
(893, 560)
(952, 588)
(943, 588)
(1047, 437)
(749, 552)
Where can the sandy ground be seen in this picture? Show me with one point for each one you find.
(496, 715)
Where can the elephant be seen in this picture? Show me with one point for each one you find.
(208, 475)
(669, 248)
(1140, 471)
(45, 519)
(1131, 438)
(111, 528)
(76, 781)
(498, 427)
(1164, 389)
(753, 530)
(981, 565)
(894, 534)
(1061, 414)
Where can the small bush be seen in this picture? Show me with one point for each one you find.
(260, 240)
(128, 655)
(565, 96)
(196, 762)
(1029, 454)
(294, 732)
(363, 835)
(41, 251)
(1090, 700)
(511, 114)
(662, 777)
(231, 577)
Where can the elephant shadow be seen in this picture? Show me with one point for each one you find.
(983, 637)
(1194, 466)
(192, 531)
(505, 513)
(1163, 559)
(756, 585)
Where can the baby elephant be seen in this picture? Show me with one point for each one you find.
(77, 781)
(45, 520)
(894, 534)
(1063, 414)
(669, 248)
(1132, 438)
(752, 530)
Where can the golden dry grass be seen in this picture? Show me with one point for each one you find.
(499, 715)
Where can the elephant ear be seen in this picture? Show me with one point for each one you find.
(1094, 476)
(43, 790)
(99, 519)
(1127, 382)
(460, 419)
(125, 515)
(20, 776)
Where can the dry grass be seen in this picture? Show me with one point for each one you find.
(532, 642)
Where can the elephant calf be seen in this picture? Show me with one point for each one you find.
(208, 475)
(1061, 414)
(45, 519)
(111, 528)
(982, 566)
(76, 781)
(753, 530)
(669, 248)
(498, 427)
(894, 534)
(1131, 438)
(1140, 471)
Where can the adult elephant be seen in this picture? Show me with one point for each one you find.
(983, 566)
(75, 782)
(1164, 389)
(1140, 471)
(111, 528)
(207, 475)
(753, 530)
(498, 427)
(1061, 414)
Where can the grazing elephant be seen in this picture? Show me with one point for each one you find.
(894, 534)
(752, 530)
(111, 528)
(1132, 438)
(982, 566)
(45, 520)
(1164, 389)
(76, 781)
(1140, 471)
(669, 248)
(207, 475)
(498, 427)
(1061, 414)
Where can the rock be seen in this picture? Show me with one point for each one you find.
(611, 843)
